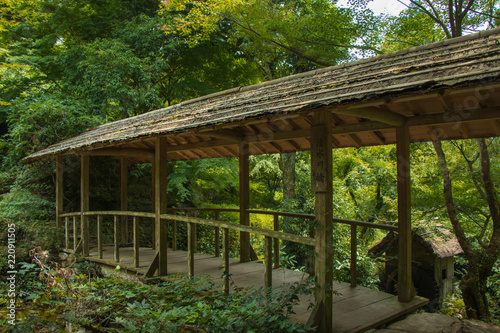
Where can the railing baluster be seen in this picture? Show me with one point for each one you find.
(217, 231)
(268, 269)
(353, 255)
(136, 241)
(276, 242)
(99, 236)
(191, 246)
(75, 233)
(117, 239)
(174, 235)
(225, 259)
(66, 232)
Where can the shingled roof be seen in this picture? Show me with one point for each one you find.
(443, 90)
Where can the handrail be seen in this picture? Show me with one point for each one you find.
(226, 226)
(244, 228)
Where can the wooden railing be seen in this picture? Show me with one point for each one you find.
(271, 253)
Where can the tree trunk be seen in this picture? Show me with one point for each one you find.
(288, 169)
(473, 287)
(473, 284)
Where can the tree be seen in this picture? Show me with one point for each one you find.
(481, 246)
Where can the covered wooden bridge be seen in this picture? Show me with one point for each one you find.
(440, 91)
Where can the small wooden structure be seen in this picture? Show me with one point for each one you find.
(432, 262)
(445, 90)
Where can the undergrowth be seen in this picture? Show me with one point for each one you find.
(51, 297)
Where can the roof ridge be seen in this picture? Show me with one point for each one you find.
(456, 40)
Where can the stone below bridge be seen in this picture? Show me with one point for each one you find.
(438, 323)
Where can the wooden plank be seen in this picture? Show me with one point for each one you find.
(161, 202)
(122, 152)
(371, 314)
(406, 290)
(321, 182)
(136, 241)
(99, 236)
(153, 267)
(84, 204)
(225, 259)
(244, 193)
(117, 238)
(59, 191)
(268, 270)
(124, 199)
(374, 113)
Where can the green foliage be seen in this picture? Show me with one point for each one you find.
(57, 296)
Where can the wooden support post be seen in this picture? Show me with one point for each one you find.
(354, 255)
(84, 204)
(268, 268)
(75, 233)
(66, 229)
(153, 201)
(59, 191)
(405, 285)
(225, 259)
(244, 176)
(174, 235)
(321, 182)
(191, 247)
(136, 241)
(124, 199)
(99, 236)
(217, 235)
(276, 242)
(117, 223)
(161, 202)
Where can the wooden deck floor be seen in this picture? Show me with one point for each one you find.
(354, 309)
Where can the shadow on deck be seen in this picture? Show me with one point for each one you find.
(354, 309)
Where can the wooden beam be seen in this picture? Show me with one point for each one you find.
(224, 134)
(161, 202)
(59, 191)
(84, 203)
(374, 113)
(124, 199)
(244, 175)
(121, 152)
(406, 292)
(322, 185)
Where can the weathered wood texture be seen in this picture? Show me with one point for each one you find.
(161, 202)
(59, 190)
(405, 284)
(355, 309)
(124, 198)
(370, 98)
(84, 203)
(321, 182)
(244, 175)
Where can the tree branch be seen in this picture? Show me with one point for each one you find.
(450, 205)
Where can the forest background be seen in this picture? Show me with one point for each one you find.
(67, 66)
